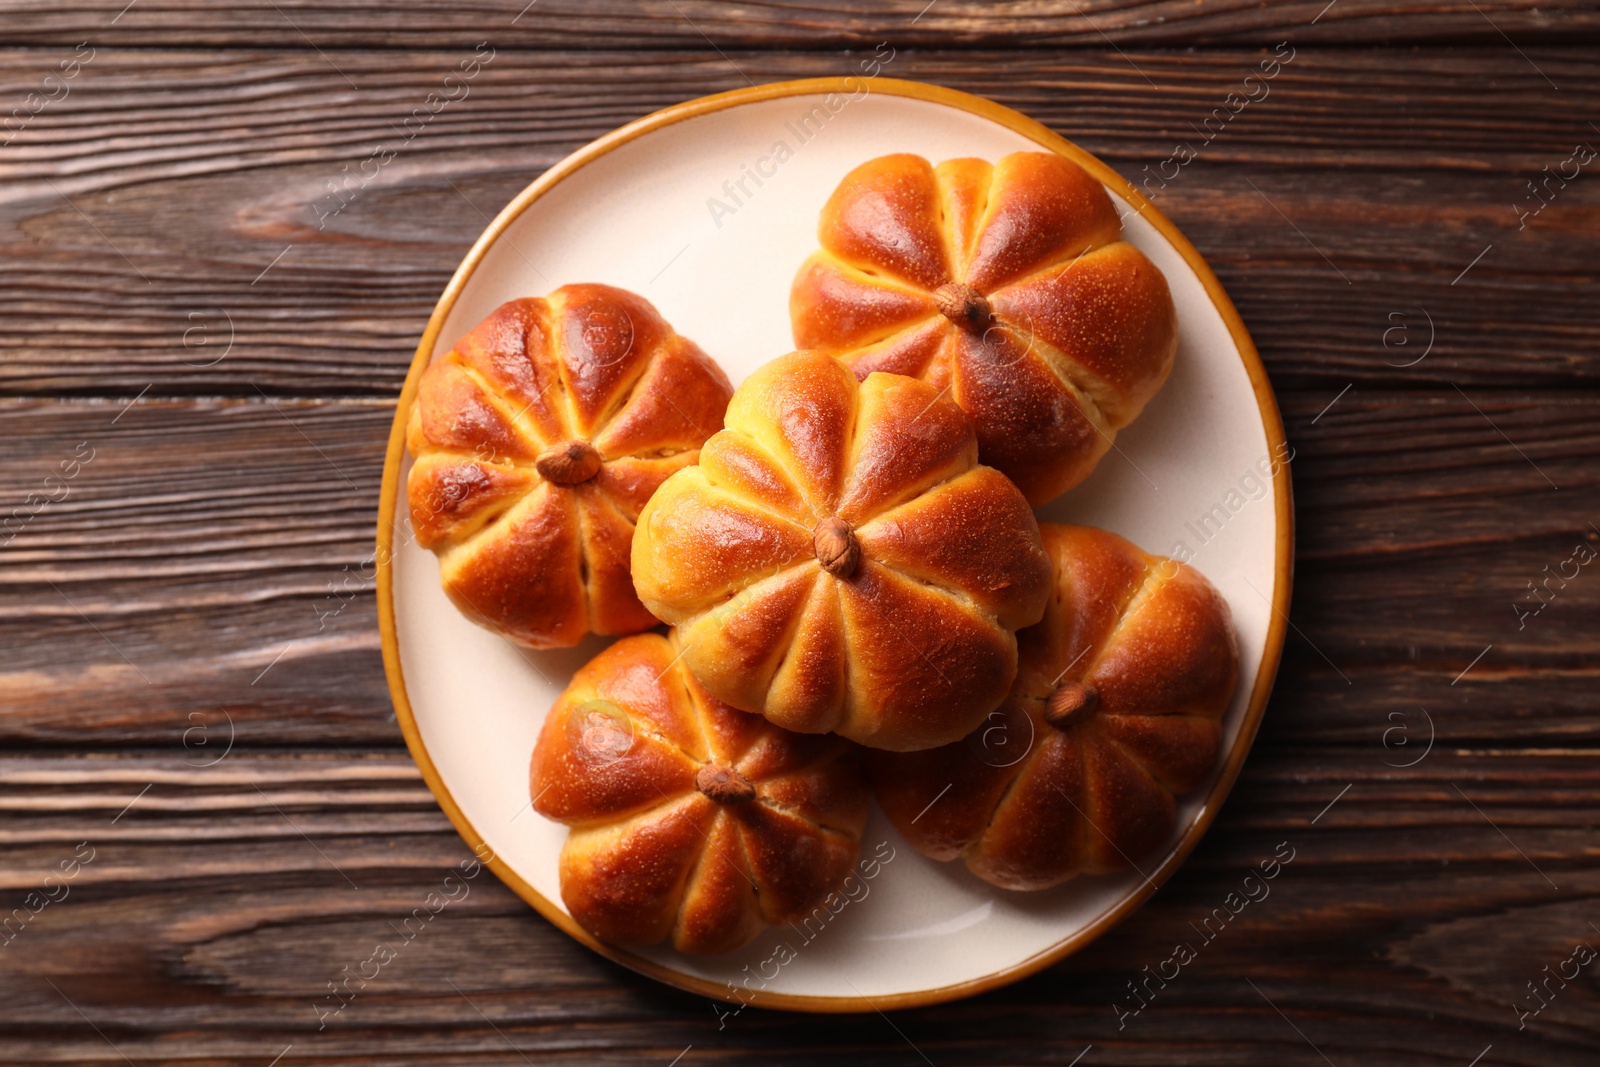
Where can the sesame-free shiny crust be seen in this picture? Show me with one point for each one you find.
(1010, 285)
(691, 822)
(1141, 649)
(912, 644)
(537, 440)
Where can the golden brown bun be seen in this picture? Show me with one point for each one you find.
(1135, 662)
(537, 440)
(1062, 333)
(907, 640)
(691, 821)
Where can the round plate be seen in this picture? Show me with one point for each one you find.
(698, 209)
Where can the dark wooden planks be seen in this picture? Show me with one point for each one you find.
(214, 556)
(1407, 969)
(203, 547)
(210, 542)
(203, 536)
(1345, 204)
(807, 24)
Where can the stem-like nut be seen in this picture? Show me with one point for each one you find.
(1070, 705)
(963, 305)
(568, 463)
(836, 546)
(724, 784)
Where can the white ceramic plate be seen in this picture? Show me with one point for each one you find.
(635, 210)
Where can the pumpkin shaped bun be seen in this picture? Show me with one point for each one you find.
(1010, 285)
(537, 439)
(690, 821)
(1117, 709)
(839, 561)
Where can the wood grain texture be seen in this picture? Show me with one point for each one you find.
(1342, 207)
(222, 900)
(216, 554)
(193, 688)
(794, 24)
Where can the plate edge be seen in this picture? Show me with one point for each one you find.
(1272, 424)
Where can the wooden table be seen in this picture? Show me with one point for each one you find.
(198, 380)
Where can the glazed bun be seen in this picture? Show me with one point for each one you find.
(1117, 709)
(1007, 284)
(537, 439)
(839, 561)
(691, 822)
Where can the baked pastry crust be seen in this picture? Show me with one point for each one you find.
(839, 561)
(1117, 708)
(691, 821)
(1010, 285)
(537, 439)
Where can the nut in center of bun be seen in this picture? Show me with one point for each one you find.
(568, 463)
(1070, 705)
(724, 784)
(836, 546)
(963, 305)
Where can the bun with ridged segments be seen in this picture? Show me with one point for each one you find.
(1117, 709)
(691, 822)
(1010, 285)
(537, 439)
(839, 561)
